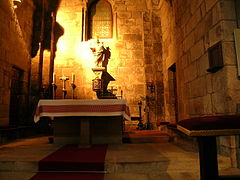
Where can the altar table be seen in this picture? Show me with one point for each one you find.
(85, 121)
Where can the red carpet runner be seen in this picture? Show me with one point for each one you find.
(67, 176)
(72, 158)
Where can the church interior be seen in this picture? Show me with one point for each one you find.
(154, 85)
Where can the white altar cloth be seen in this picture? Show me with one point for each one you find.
(77, 107)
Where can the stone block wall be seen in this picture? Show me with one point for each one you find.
(15, 35)
(131, 55)
(237, 12)
(168, 47)
(189, 29)
(153, 61)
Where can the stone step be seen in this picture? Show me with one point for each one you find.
(152, 167)
(117, 176)
(18, 166)
(16, 175)
(10, 134)
(146, 167)
(139, 140)
(192, 175)
(145, 136)
(160, 176)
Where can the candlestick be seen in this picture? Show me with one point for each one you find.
(54, 78)
(73, 78)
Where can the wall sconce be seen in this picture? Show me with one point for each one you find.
(16, 3)
(151, 87)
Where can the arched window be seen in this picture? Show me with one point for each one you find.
(100, 20)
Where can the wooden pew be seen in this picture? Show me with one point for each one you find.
(206, 129)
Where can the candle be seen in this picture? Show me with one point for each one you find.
(54, 78)
(73, 78)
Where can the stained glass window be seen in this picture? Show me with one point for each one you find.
(100, 20)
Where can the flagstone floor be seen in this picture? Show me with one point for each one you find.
(138, 161)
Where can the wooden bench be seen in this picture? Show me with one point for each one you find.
(206, 129)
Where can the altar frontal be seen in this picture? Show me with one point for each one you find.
(85, 122)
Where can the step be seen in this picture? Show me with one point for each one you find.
(145, 136)
(152, 167)
(9, 134)
(67, 175)
(18, 166)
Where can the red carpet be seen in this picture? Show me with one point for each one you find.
(67, 176)
(72, 158)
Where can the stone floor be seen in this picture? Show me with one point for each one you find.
(135, 161)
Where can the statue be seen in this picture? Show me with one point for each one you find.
(103, 55)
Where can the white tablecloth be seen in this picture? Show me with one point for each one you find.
(76, 107)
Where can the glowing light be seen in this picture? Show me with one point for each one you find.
(62, 45)
(16, 3)
(85, 55)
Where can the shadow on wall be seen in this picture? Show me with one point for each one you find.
(48, 8)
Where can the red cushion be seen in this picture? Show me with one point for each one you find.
(211, 122)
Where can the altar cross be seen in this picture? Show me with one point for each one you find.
(64, 79)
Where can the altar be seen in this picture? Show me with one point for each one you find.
(85, 122)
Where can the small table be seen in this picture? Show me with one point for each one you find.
(85, 121)
(206, 129)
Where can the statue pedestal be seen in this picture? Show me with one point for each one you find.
(97, 83)
(100, 84)
(98, 71)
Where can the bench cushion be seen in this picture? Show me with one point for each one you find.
(210, 125)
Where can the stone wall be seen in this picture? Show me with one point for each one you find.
(130, 51)
(15, 35)
(153, 61)
(189, 29)
(237, 12)
(170, 37)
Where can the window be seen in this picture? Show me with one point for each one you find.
(100, 23)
